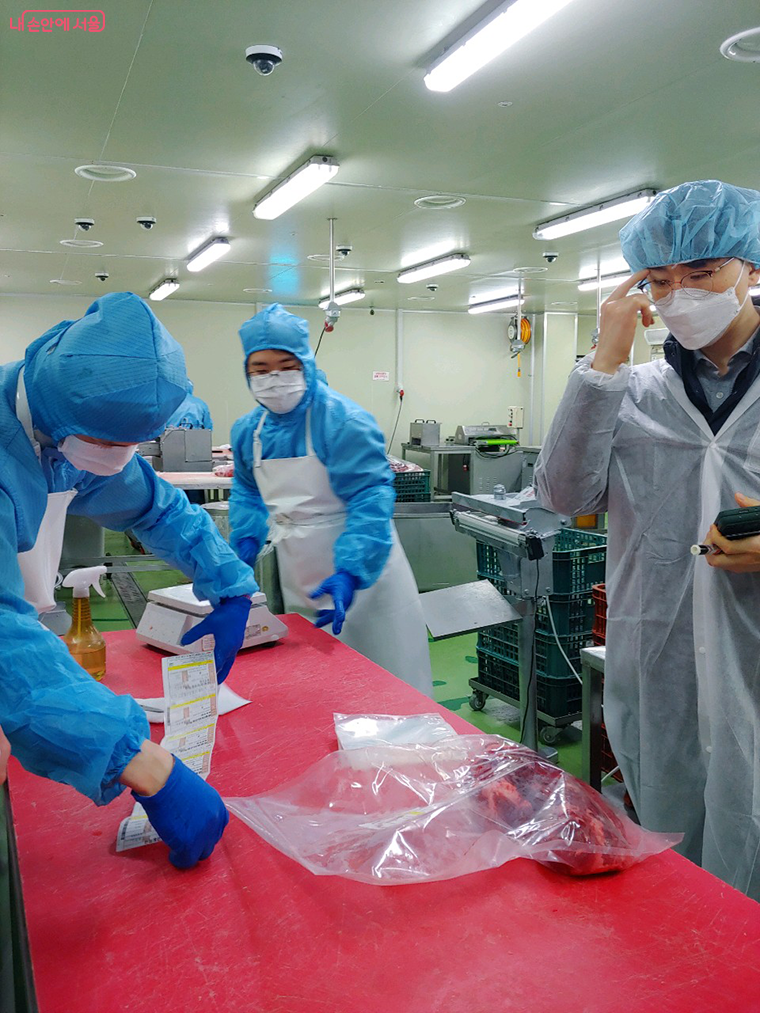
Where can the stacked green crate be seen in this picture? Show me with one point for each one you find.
(578, 562)
(412, 486)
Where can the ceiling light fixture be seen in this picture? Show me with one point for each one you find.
(63, 281)
(341, 298)
(81, 244)
(163, 289)
(443, 265)
(733, 50)
(493, 305)
(105, 173)
(598, 214)
(259, 290)
(439, 202)
(298, 185)
(208, 253)
(508, 24)
(608, 281)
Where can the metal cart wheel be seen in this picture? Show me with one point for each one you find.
(478, 700)
(549, 734)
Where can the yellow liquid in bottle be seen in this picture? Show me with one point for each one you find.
(87, 646)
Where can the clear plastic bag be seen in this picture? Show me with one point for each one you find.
(399, 466)
(410, 814)
(356, 731)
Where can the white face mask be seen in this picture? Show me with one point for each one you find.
(94, 457)
(279, 392)
(697, 323)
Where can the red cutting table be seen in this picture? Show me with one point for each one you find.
(250, 931)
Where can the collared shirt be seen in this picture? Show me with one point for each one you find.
(698, 380)
(716, 387)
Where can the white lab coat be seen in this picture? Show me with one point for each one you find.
(682, 678)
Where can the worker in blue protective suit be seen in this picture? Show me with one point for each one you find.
(71, 416)
(663, 447)
(193, 413)
(312, 474)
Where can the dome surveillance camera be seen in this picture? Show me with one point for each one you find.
(432, 287)
(550, 257)
(102, 275)
(343, 249)
(146, 221)
(264, 59)
(85, 224)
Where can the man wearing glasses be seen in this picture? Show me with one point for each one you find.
(663, 447)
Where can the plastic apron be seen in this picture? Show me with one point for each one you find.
(39, 565)
(385, 622)
(682, 683)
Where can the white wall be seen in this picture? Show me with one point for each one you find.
(456, 367)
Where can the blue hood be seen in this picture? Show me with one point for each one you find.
(115, 374)
(274, 327)
(694, 221)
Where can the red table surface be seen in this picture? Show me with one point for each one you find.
(250, 930)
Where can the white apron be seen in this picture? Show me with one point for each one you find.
(385, 622)
(39, 565)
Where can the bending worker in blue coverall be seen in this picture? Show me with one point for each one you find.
(193, 413)
(71, 416)
(312, 474)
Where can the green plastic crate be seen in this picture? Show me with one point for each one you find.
(578, 561)
(556, 697)
(502, 641)
(413, 487)
(573, 613)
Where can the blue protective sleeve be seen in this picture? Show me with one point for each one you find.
(168, 525)
(361, 476)
(249, 517)
(61, 723)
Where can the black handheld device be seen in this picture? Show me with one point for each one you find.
(741, 523)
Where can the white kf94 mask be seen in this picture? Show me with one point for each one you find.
(279, 392)
(94, 457)
(697, 323)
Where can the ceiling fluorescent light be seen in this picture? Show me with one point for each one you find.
(208, 254)
(608, 281)
(350, 295)
(494, 305)
(434, 267)
(599, 214)
(304, 181)
(163, 289)
(507, 25)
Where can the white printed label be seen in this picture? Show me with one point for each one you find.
(381, 374)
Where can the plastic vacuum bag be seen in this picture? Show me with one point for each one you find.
(356, 731)
(411, 814)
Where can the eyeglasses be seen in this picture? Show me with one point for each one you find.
(696, 285)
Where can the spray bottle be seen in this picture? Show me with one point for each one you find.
(87, 646)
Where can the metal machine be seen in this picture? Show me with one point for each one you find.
(476, 459)
(523, 532)
(172, 611)
(424, 433)
(179, 450)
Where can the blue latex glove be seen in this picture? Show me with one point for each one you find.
(227, 623)
(187, 814)
(247, 549)
(342, 587)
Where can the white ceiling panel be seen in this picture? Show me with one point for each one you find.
(606, 97)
